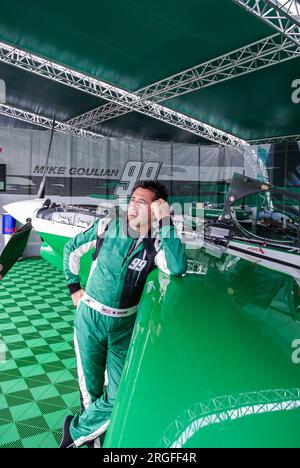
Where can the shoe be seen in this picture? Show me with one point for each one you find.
(89, 444)
(96, 443)
(67, 441)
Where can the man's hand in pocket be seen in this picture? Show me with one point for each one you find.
(77, 296)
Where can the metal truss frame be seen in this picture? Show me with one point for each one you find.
(283, 15)
(281, 139)
(261, 54)
(250, 58)
(44, 122)
(96, 87)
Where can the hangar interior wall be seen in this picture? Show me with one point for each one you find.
(109, 167)
(104, 160)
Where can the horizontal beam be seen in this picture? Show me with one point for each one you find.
(250, 58)
(44, 122)
(272, 140)
(281, 15)
(96, 87)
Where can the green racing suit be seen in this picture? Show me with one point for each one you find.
(106, 313)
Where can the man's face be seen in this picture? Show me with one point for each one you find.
(139, 209)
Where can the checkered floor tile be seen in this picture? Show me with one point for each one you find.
(38, 378)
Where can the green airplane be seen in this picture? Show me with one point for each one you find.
(214, 360)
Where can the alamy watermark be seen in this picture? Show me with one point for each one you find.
(296, 353)
(2, 92)
(296, 92)
(2, 352)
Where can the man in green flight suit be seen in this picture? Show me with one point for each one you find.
(127, 249)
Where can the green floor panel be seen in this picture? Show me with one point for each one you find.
(8, 365)
(38, 440)
(10, 375)
(53, 419)
(22, 354)
(35, 343)
(18, 398)
(66, 386)
(10, 385)
(52, 367)
(5, 416)
(38, 378)
(10, 437)
(61, 346)
(68, 363)
(43, 392)
(17, 386)
(68, 397)
(20, 413)
(49, 405)
(32, 426)
(15, 341)
(31, 371)
(3, 402)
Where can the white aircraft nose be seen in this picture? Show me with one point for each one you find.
(23, 210)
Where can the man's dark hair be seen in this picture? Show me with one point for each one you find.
(156, 187)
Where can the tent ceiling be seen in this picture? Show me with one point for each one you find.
(134, 43)
(48, 98)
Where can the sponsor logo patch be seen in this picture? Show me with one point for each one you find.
(258, 250)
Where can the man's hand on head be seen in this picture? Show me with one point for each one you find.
(160, 208)
(77, 296)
